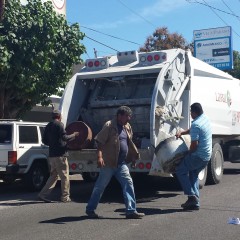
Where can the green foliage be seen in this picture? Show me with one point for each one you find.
(37, 51)
(236, 68)
(161, 39)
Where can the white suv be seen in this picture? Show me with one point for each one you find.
(22, 153)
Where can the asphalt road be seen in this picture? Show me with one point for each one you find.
(23, 217)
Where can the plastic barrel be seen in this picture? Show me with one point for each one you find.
(170, 152)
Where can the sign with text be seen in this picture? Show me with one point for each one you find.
(214, 46)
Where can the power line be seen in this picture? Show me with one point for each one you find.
(136, 13)
(87, 54)
(220, 10)
(230, 9)
(212, 9)
(96, 40)
(220, 17)
(111, 35)
(101, 43)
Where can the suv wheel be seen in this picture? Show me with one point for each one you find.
(37, 176)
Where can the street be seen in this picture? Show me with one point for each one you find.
(24, 217)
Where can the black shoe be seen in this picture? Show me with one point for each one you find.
(195, 208)
(191, 204)
(93, 215)
(135, 215)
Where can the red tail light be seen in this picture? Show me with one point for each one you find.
(141, 166)
(149, 58)
(148, 165)
(96, 63)
(73, 166)
(90, 64)
(12, 157)
(156, 57)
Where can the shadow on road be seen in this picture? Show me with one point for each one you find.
(151, 211)
(231, 171)
(63, 220)
(22, 203)
(147, 211)
(147, 188)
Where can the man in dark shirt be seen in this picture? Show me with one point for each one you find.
(56, 138)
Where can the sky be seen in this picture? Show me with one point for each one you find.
(135, 20)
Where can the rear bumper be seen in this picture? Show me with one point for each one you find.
(12, 168)
(2, 169)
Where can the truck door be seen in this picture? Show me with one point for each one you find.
(168, 95)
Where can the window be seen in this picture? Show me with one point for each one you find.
(5, 134)
(129, 87)
(42, 129)
(28, 134)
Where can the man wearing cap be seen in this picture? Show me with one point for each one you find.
(56, 138)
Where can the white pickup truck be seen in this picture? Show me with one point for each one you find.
(22, 153)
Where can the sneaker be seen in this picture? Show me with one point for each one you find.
(93, 215)
(67, 200)
(44, 199)
(191, 204)
(135, 215)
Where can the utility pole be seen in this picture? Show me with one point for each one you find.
(2, 5)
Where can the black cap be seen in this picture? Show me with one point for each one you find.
(56, 113)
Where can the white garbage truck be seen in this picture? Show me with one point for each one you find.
(159, 87)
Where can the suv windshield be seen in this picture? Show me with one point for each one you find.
(5, 134)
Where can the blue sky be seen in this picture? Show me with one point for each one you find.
(135, 20)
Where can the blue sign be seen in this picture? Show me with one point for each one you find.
(214, 46)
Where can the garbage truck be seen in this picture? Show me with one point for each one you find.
(159, 87)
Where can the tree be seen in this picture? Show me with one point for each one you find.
(161, 39)
(37, 51)
(236, 62)
(2, 4)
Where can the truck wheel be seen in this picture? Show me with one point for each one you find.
(90, 176)
(202, 177)
(215, 166)
(37, 176)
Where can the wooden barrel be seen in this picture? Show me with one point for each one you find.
(85, 135)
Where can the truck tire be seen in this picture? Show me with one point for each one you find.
(37, 176)
(215, 166)
(90, 176)
(202, 177)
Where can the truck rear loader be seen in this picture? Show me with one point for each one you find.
(159, 87)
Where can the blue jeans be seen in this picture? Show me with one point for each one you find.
(187, 172)
(123, 176)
